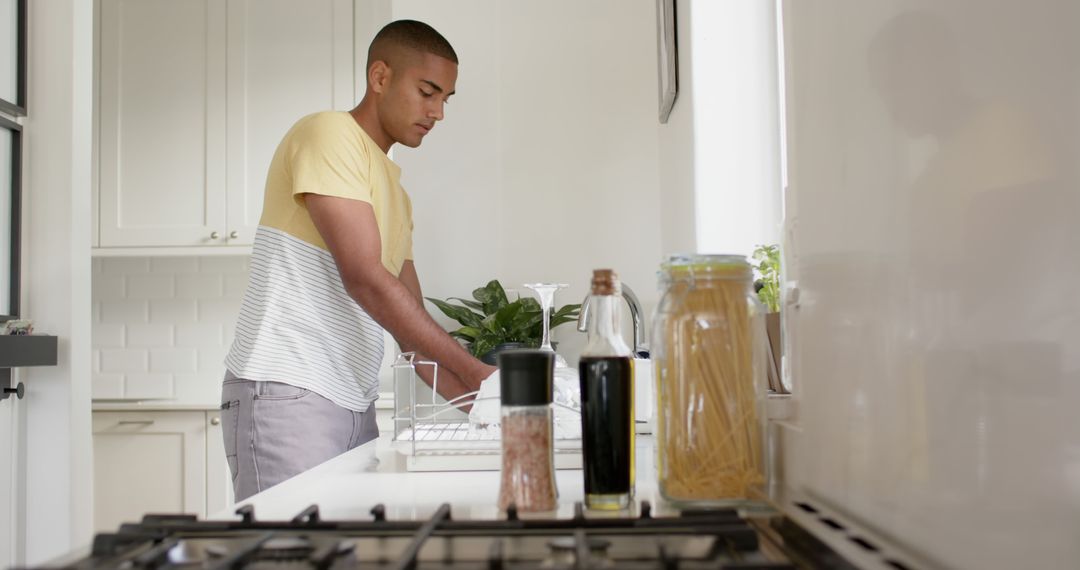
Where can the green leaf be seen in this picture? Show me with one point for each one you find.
(470, 304)
(460, 314)
(460, 335)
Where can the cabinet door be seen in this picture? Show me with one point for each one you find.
(148, 462)
(284, 63)
(219, 490)
(162, 140)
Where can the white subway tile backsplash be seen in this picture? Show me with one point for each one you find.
(223, 265)
(199, 286)
(107, 288)
(202, 334)
(122, 360)
(162, 326)
(125, 265)
(173, 311)
(212, 360)
(204, 388)
(149, 335)
(150, 286)
(172, 360)
(235, 285)
(218, 309)
(123, 312)
(106, 386)
(174, 265)
(146, 386)
(107, 335)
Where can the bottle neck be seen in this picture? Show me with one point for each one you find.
(604, 328)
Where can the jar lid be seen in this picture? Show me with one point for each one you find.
(698, 264)
(525, 377)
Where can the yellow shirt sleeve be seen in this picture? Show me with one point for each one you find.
(323, 159)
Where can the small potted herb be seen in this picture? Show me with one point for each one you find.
(767, 286)
(491, 323)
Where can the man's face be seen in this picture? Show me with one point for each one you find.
(415, 97)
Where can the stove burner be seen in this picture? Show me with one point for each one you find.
(712, 539)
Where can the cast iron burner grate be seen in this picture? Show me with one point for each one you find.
(695, 539)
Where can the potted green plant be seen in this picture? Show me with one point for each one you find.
(490, 322)
(767, 286)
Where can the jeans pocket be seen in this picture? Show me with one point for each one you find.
(230, 422)
(278, 391)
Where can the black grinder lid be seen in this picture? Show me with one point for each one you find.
(525, 377)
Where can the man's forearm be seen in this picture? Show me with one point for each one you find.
(393, 306)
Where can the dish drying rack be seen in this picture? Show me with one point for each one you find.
(437, 436)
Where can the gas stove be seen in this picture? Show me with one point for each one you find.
(692, 539)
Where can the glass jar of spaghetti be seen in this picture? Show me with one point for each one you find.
(707, 349)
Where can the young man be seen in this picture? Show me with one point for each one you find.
(331, 268)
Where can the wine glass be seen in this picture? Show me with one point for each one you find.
(546, 292)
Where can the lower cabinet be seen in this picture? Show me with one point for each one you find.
(158, 462)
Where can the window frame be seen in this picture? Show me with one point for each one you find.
(16, 219)
(17, 108)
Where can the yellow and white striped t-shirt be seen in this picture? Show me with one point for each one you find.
(297, 324)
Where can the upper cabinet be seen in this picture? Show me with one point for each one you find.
(194, 96)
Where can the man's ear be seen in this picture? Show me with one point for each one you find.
(379, 75)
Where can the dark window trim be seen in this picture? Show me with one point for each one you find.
(18, 107)
(16, 217)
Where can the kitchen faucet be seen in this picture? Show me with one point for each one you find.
(641, 346)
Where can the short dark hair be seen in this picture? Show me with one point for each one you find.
(409, 34)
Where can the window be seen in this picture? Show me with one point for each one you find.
(13, 57)
(10, 216)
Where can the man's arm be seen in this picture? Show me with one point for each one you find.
(455, 384)
(351, 233)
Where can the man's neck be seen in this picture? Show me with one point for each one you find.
(367, 117)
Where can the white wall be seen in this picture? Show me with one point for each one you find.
(56, 277)
(547, 165)
(678, 224)
(720, 149)
(932, 156)
(737, 139)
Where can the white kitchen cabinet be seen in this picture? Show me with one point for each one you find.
(194, 96)
(157, 462)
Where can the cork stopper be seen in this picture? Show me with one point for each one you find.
(605, 282)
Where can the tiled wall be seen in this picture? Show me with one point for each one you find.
(163, 325)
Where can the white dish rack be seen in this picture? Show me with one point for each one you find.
(437, 436)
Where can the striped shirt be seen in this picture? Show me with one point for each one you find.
(297, 323)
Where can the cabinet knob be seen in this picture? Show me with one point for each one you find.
(214, 421)
(234, 234)
(19, 390)
(214, 235)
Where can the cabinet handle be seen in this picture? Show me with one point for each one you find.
(234, 234)
(214, 235)
(215, 421)
(135, 423)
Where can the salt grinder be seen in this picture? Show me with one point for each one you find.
(528, 463)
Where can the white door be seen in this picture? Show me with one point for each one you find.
(162, 145)
(284, 63)
(12, 509)
(148, 462)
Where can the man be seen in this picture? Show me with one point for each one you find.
(331, 268)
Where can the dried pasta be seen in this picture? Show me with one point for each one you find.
(709, 433)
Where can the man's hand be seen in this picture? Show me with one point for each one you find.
(467, 383)
(352, 235)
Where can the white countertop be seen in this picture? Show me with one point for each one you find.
(150, 406)
(385, 402)
(348, 486)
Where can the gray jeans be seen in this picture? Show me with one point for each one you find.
(274, 431)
